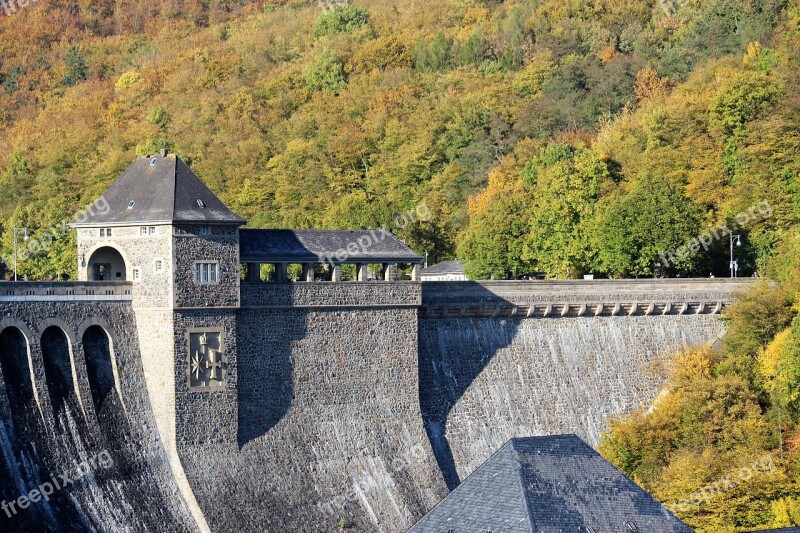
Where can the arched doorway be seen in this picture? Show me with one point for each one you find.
(106, 264)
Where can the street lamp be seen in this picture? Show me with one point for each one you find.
(735, 264)
(25, 237)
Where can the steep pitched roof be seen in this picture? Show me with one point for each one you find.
(555, 483)
(159, 189)
(301, 246)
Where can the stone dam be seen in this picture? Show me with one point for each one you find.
(316, 405)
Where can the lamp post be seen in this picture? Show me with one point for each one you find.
(735, 264)
(25, 237)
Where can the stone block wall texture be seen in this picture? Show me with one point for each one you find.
(486, 380)
(139, 251)
(39, 443)
(326, 294)
(329, 424)
(222, 245)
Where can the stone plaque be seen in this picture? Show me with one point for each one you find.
(207, 361)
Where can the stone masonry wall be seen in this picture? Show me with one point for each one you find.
(154, 288)
(43, 442)
(329, 425)
(486, 380)
(222, 245)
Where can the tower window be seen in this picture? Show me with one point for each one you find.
(108, 232)
(143, 230)
(136, 274)
(205, 272)
(102, 232)
(159, 265)
(152, 230)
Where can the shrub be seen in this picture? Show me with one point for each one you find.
(340, 19)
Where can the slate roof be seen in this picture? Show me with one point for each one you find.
(548, 484)
(445, 267)
(163, 189)
(368, 246)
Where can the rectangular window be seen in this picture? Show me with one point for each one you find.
(102, 232)
(108, 232)
(159, 265)
(205, 272)
(135, 274)
(152, 230)
(143, 230)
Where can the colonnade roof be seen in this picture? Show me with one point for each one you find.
(323, 246)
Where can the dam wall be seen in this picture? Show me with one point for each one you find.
(75, 417)
(511, 359)
(329, 429)
(317, 405)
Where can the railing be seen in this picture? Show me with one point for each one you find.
(546, 299)
(65, 290)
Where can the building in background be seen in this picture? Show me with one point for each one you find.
(444, 271)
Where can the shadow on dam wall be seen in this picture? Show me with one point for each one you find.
(66, 429)
(446, 371)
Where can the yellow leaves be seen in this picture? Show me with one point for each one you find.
(693, 365)
(649, 85)
(529, 81)
(607, 54)
(128, 79)
(770, 357)
(753, 51)
(381, 53)
(786, 512)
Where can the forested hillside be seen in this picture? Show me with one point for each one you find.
(612, 137)
(556, 118)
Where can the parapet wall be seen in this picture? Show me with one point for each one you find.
(327, 294)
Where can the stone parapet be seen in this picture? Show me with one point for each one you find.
(550, 299)
(24, 291)
(327, 294)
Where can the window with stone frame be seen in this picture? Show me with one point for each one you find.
(206, 272)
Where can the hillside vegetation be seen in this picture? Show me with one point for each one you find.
(612, 137)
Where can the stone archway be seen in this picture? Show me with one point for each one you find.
(106, 264)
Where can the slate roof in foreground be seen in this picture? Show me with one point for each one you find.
(162, 189)
(548, 484)
(303, 246)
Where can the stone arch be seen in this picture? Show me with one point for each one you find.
(106, 262)
(30, 338)
(98, 341)
(17, 364)
(56, 343)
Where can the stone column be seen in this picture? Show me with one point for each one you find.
(253, 271)
(391, 272)
(361, 271)
(308, 271)
(415, 272)
(280, 272)
(336, 275)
